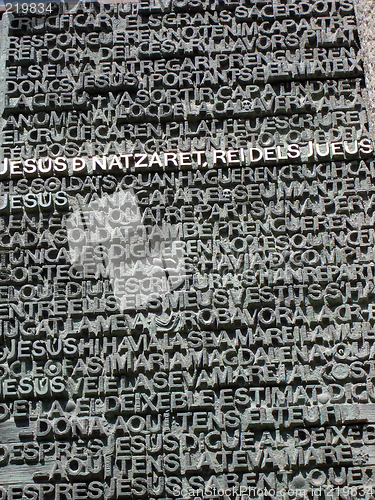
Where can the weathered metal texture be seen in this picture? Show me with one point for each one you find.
(187, 253)
(366, 27)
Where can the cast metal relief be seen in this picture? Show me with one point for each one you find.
(187, 252)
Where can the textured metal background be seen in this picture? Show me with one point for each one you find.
(366, 27)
